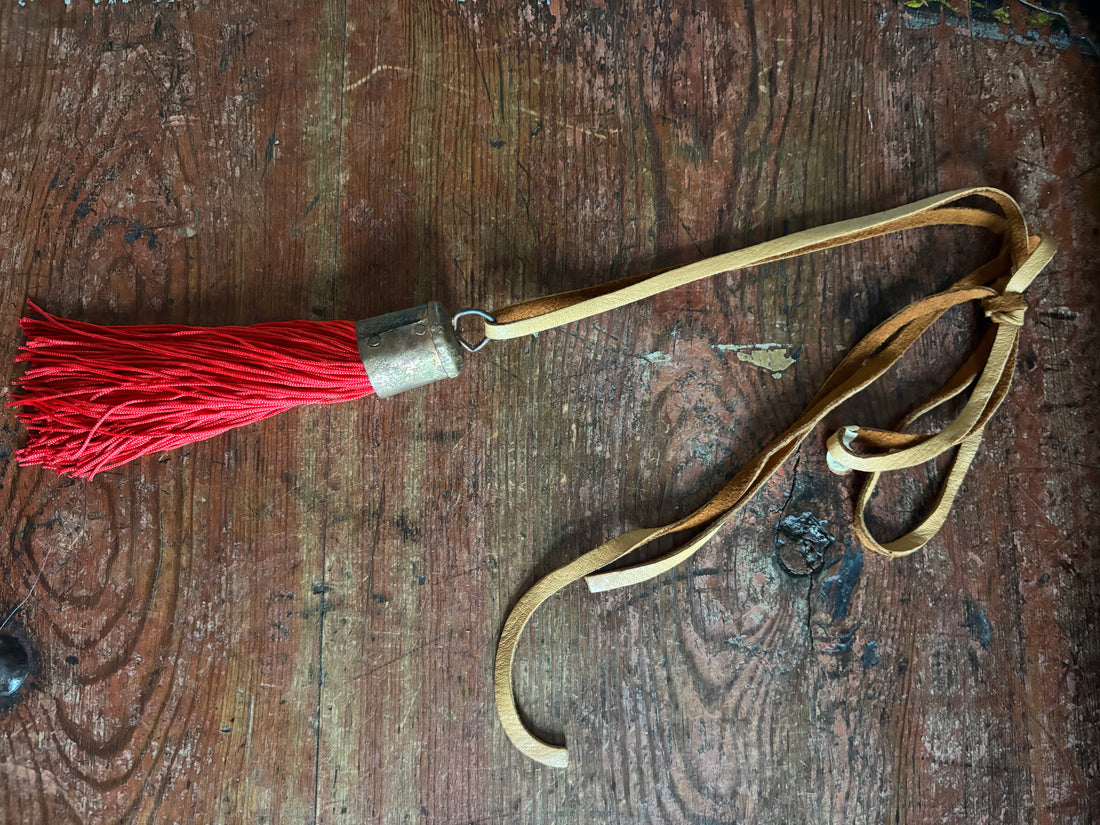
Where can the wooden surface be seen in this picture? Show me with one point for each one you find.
(294, 623)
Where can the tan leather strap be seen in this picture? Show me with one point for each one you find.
(998, 286)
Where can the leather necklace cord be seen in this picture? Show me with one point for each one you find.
(998, 287)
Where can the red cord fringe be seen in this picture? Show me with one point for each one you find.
(95, 397)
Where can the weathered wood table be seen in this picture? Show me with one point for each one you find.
(295, 622)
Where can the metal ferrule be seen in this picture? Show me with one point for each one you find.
(408, 349)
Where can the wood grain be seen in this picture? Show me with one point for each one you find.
(295, 622)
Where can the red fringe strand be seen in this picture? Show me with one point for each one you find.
(94, 397)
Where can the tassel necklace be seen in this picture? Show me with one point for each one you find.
(94, 397)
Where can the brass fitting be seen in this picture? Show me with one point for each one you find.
(410, 348)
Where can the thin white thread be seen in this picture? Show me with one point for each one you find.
(34, 584)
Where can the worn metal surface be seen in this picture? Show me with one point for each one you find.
(409, 348)
(295, 622)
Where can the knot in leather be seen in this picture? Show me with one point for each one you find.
(1005, 309)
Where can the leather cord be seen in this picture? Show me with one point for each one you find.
(998, 287)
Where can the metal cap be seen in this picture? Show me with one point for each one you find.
(408, 349)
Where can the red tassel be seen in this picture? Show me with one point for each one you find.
(95, 397)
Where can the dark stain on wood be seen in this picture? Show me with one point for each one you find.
(978, 624)
(801, 542)
(837, 589)
(870, 654)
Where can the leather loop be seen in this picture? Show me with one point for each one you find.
(997, 286)
(1005, 309)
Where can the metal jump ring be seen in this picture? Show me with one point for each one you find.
(480, 313)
